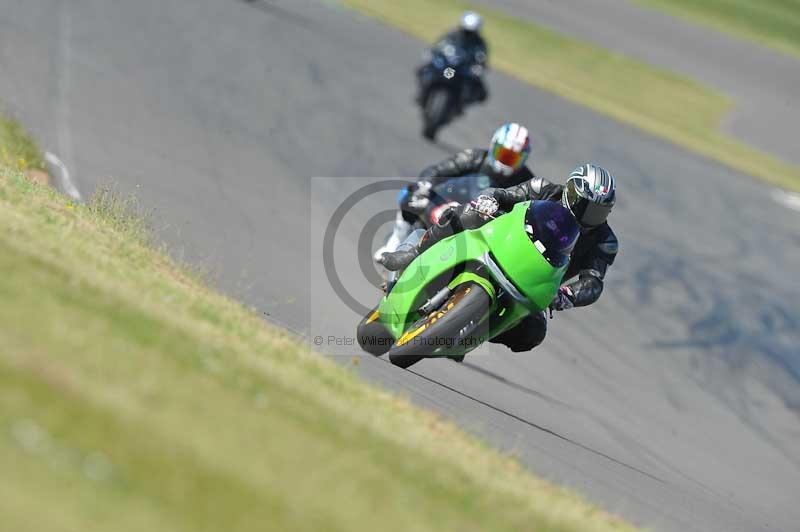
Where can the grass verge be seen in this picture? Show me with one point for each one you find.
(772, 23)
(663, 104)
(132, 397)
(17, 150)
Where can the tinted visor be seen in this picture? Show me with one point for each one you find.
(594, 215)
(507, 156)
(588, 213)
(553, 230)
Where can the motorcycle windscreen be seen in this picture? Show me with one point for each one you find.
(553, 231)
(460, 189)
(521, 255)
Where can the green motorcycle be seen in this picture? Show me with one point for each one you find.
(474, 285)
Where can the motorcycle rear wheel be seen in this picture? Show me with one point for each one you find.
(435, 112)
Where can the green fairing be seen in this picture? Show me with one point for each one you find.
(508, 243)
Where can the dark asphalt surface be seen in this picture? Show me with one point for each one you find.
(762, 82)
(665, 402)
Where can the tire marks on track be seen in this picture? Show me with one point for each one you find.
(281, 13)
(533, 425)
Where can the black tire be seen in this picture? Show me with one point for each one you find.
(372, 336)
(457, 320)
(437, 106)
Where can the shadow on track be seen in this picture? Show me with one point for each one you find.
(516, 386)
(531, 424)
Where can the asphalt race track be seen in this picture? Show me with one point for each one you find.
(672, 401)
(765, 115)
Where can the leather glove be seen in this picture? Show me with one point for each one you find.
(563, 299)
(504, 198)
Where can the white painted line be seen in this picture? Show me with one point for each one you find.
(65, 184)
(62, 110)
(787, 199)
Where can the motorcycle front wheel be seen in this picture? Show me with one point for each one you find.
(372, 335)
(454, 323)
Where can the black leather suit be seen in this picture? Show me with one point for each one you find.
(594, 252)
(465, 162)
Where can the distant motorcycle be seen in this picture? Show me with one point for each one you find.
(442, 87)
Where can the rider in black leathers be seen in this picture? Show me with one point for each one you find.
(467, 40)
(473, 161)
(510, 141)
(594, 252)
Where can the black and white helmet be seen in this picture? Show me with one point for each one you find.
(589, 194)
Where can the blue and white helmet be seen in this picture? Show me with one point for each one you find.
(590, 194)
(510, 148)
(471, 21)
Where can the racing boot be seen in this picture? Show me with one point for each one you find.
(400, 232)
(399, 260)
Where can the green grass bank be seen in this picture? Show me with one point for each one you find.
(772, 23)
(133, 397)
(17, 150)
(660, 103)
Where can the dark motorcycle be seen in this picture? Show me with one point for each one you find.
(442, 82)
(453, 192)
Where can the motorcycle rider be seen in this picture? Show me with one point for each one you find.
(466, 39)
(503, 164)
(589, 194)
